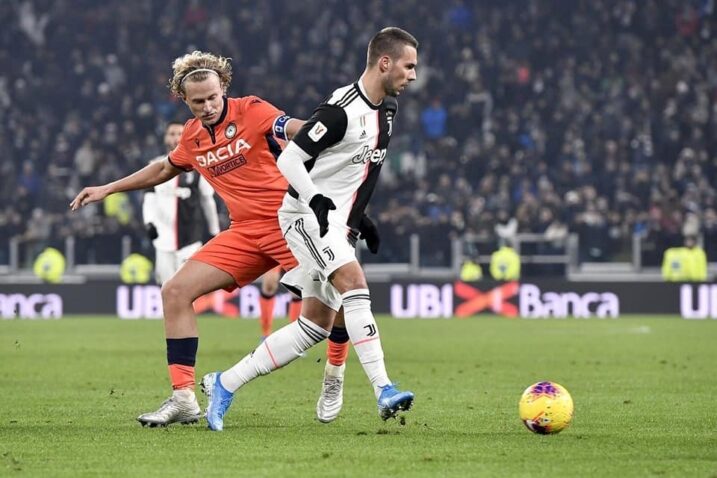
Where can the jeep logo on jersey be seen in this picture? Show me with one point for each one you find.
(222, 153)
(367, 154)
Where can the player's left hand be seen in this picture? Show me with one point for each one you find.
(369, 233)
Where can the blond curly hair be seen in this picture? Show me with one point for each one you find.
(183, 67)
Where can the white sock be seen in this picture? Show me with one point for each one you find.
(334, 370)
(184, 395)
(363, 332)
(283, 346)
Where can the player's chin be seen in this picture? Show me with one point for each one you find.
(398, 90)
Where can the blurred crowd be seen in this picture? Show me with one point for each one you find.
(594, 117)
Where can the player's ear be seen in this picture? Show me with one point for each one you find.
(384, 63)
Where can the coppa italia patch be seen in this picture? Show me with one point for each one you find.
(318, 131)
(227, 166)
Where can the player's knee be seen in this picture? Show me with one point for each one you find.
(173, 292)
(349, 277)
(352, 283)
(318, 313)
(269, 288)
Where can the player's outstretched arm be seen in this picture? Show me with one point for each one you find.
(147, 177)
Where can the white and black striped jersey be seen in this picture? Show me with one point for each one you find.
(343, 146)
(181, 209)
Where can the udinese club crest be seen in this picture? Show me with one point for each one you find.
(231, 131)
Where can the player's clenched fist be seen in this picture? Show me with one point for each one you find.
(89, 195)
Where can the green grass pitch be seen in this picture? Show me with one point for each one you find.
(645, 392)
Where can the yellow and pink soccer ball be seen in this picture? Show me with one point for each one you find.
(546, 408)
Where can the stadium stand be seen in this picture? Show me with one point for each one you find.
(598, 119)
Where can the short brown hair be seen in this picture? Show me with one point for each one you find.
(389, 41)
(185, 65)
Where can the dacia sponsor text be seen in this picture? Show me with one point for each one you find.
(223, 153)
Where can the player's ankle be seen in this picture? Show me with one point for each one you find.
(335, 370)
(184, 394)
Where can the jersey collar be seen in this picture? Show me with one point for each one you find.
(362, 93)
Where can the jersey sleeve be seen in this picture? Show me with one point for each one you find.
(180, 157)
(325, 128)
(261, 114)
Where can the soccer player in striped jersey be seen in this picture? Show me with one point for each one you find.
(332, 165)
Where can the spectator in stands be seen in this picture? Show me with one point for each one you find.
(433, 120)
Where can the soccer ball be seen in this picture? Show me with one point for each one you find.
(546, 407)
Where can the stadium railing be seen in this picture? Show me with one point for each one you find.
(537, 252)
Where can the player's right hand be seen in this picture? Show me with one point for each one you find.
(151, 230)
(321, 205)
(89, 195)
(369, 233)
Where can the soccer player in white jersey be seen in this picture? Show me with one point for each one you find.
(332, 165)
(175, 213)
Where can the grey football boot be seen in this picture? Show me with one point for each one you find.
(181, 407)
(332, 393)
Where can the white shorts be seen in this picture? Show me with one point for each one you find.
(318, 256)
(169, 262)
